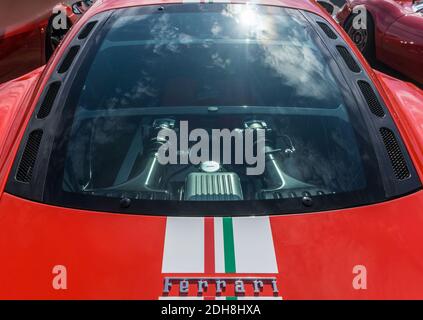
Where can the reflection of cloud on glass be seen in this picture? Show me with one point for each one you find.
(216, 29)
(142, 88)
(266, 40)
(294, 58)
(220, 62)
(126, 21)
(167, 36)
(300, 68)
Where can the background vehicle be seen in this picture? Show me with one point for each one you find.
(394, 33)
(30, 44)
(81, 187)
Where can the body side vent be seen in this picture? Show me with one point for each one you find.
(67, 62)
(348, 58)
(87, 30)
(328, 30)
(29, 155)
(48, 101)
(395, 154)
(371, 98)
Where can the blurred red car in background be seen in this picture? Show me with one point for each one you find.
(394, 33)
(28, 45)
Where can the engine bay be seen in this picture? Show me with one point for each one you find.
(119, 157)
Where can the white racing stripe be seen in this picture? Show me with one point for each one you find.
(181, 298)
(253, 246)
(259, 298)
(254, 249)
(219, 250)
(184, 245)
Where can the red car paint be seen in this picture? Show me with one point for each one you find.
(22, 47)
(111, 256)
(398, 33)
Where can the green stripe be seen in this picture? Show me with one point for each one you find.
(228, 241)
(231, 298)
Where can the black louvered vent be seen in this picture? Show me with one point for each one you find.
(349, 60)
(26, 165)
(328, 30)
(48, 100)
(66, 63)
(371, 98)
(395, 154)
(87, 29)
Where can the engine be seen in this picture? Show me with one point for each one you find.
(211, 180)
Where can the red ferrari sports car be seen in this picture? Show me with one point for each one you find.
(27, 46)
(394, 33)
(89, 210)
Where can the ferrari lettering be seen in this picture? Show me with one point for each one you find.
(200, 285)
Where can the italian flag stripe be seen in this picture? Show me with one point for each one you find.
(209, 259)
(219, 245)
(229, 247)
